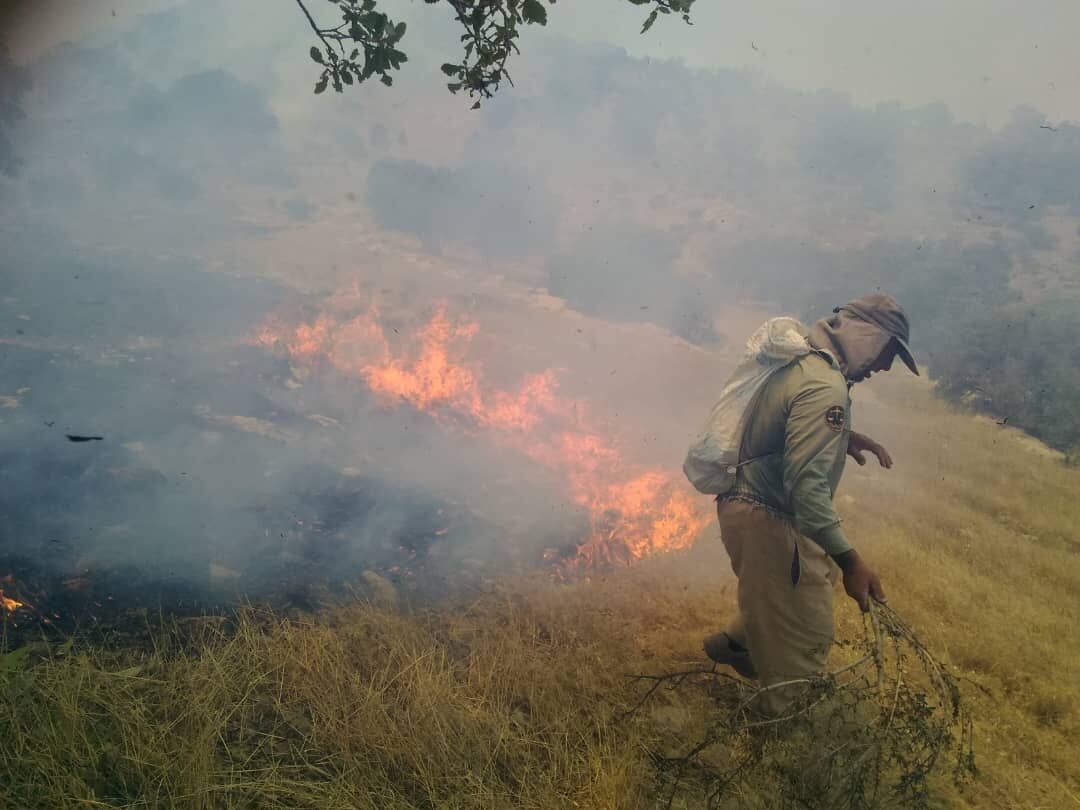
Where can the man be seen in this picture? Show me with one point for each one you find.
(778, 523)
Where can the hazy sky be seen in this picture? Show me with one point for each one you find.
(981, 57)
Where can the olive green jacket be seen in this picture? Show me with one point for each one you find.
(794, 446)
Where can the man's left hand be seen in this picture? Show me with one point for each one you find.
(858, 444)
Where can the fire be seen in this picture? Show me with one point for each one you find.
(633, 512)
(10, 605)
(639, 517)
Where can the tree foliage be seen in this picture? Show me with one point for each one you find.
(987, 346)
(1020, 363)
(494, 208)
(367, 42)
(210, 101)
(1028, 161)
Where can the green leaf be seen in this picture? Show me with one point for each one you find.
(399, 30)
(475, 106)
(386, 79)
(346, 77)
(449, 69)
(316, 55)
(320, 85)
(649, 21)
(533, 11)
(453, 87)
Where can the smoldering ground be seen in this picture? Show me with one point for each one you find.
(218, 472)
(637, 199)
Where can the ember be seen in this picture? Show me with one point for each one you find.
(97, 606)
(633, 511)
(9, 604)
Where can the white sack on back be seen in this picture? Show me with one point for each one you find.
(713, 458)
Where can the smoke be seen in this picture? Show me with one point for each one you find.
(611, 225)
(219, 460)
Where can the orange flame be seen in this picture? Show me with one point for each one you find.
(633, 512)
(10, 605)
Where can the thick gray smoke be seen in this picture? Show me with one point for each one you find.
(168, 185)
(213, 463)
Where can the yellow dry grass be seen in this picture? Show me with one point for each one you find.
(512, 699)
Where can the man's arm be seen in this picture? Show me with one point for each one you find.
(860, 582)
(813, 444)
(814, 437)
(859, 444)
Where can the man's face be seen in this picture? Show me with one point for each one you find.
(883, 362)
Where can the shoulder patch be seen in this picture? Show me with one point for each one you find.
(834, 418)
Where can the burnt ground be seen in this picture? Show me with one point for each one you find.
(218, 479)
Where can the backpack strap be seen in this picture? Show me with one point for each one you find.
(747, 461)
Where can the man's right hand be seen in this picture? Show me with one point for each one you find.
(860, 582)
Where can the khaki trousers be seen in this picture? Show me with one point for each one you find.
(786, 584)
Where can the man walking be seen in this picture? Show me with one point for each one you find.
(778, 523)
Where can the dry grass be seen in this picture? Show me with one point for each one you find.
(885, 727)
(508, 701)
(513, 699)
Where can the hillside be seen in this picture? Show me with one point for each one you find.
(508, 698)
(641, 191)
(412, 384)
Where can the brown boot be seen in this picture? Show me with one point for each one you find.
(722, 650)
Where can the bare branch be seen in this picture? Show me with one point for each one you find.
(311, 22)
(890, 726)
